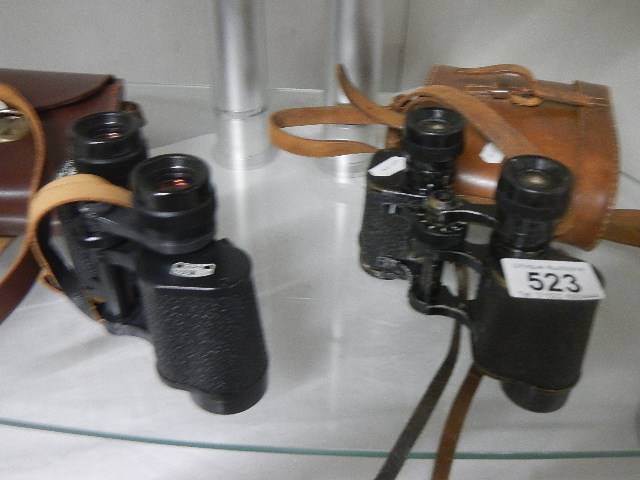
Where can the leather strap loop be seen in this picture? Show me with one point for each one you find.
(535, 88)
(295, 117)
(388, 116)
(502, 69)
(19, 277)
(71, 189)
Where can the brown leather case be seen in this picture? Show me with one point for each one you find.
(571, 123)
(52, 102)
(59, 99)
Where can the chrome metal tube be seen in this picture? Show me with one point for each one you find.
(355, 38)
(240, 82)
(241, 66)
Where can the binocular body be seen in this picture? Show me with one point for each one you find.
(533, 343)
(156, 270)
(534, 346)
(386, 232)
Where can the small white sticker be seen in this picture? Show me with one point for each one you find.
(192, 270)
(390, 166)
(491, 154)
(551, 279)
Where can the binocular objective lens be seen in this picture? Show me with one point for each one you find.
(535, 179)
(107, 134)
(432, 126)
(172, 182)
(108, 144)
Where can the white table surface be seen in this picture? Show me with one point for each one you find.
(348, 357)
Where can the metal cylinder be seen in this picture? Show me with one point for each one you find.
(354, 40)
(240, 73)
(240, 76)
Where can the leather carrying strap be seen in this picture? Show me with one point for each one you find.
(367, 112)
(453, 425)
(623, 227)
(18, 280)
(295, 117)
(65, 190)
(532, 93)
(420, 416)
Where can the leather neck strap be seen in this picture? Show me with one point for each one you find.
(454, 423)
(412, 430)
(366, 112)
(65, 190)
(15, 284)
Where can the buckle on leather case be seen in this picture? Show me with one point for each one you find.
(13, 124)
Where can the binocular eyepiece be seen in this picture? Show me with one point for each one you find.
(174, 201)
(533, 193)
(108, 144)
(433, 139)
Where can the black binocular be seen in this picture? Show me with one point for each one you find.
(156, 271)
(531, 313)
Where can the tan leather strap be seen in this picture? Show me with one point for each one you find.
(365, 112)
(71, 189)
(295, 117)
(534, 88)
(377, 113)
(623, 227)
(453, 425)
(15, 284)
(4, 243)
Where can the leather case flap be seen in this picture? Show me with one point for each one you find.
(60, 99)
(50, 90)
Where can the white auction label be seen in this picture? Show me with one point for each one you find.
(551, 279)
(390, 166)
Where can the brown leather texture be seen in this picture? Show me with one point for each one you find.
(15, 284)
(453, 425)
(623, 227)
(574, 127)
(60, 99)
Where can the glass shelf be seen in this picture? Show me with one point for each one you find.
(349, 358)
